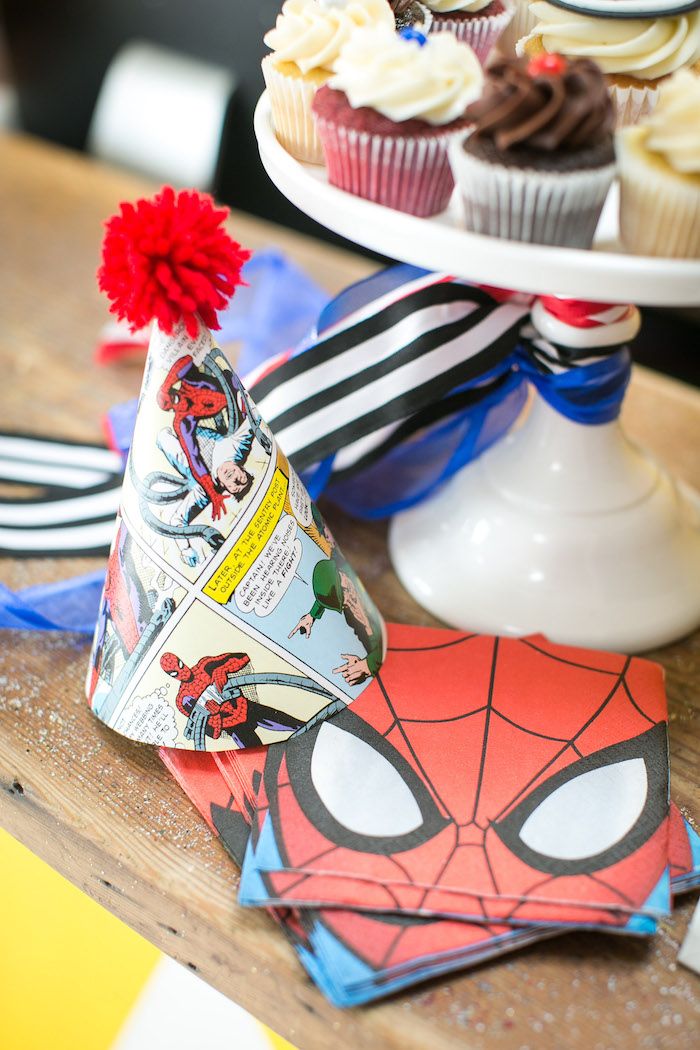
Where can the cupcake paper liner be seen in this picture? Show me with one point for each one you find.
(632, 102)
(541, 207)
(291, 99)
(410, 174)
(481, 33)
(659, 211)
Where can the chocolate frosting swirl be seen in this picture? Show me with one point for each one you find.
(543, 111)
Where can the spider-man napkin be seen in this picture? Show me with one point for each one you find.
(482, 778)
(355, 957)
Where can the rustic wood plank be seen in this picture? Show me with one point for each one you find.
(104, 812)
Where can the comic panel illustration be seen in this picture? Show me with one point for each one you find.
(200, 453)
(138, 602)
(286, 577)
(218, 688)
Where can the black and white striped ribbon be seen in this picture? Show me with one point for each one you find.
(77, 494)
(386, 369)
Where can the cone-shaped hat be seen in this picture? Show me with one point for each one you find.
(230, 617)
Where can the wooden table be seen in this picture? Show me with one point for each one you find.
(104, 812)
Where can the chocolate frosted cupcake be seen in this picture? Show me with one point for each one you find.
(410, 14)
(478, 23)
(539, 161)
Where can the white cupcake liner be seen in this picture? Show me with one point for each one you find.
(480, 32)
(522, 23)
(632, 102)
(408, 173)
(659, 211)
(521, 204)
(291, 99)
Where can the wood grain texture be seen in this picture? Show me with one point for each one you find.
(104, 812)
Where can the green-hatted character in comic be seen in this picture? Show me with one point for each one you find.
(337, 589)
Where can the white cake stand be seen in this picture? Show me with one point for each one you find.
(566, 529)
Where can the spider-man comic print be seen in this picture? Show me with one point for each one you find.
(495, 779)
(138, 601)
(199, 454)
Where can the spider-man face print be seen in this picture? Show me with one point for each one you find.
(358, 956)
(500, 779)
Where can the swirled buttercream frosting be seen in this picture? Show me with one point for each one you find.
(645, 48)
(565, 107)
(311, 34)
(433, 80)
(674, 126)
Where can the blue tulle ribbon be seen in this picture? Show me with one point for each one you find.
(589, 394)
(68, 605)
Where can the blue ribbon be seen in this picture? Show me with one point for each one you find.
(69, 605)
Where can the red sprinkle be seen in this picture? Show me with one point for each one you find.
(549, 65)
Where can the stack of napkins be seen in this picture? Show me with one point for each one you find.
(482, 793)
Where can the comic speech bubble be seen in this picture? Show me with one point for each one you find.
(273, 571)
(149, 718)
(299, 499)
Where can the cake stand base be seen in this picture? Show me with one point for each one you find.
(563, 529)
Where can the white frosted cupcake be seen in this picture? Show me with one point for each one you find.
(478, 23)
(305, 42)
(387, 116)
(659, 166)
(634, 53)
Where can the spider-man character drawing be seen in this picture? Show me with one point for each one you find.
(498, 779)
(225, 707)
(193, 395)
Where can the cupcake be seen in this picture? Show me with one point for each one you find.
(387, 115)
(538, 163)
(478, 23)
(634, 53)
(410, 14)
(305, 42)
(521, 23)
(659, 167)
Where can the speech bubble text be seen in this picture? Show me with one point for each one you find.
(299, 499)
(270, 577)
(150, 719)
(250, 544)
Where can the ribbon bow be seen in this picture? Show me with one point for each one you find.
(409, 375)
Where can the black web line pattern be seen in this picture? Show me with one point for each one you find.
(432, 648)
(397, 724)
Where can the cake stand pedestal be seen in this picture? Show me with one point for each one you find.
(562, 528)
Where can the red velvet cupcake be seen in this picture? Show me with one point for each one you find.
(387, 116)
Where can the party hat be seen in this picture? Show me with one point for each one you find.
(230, 617)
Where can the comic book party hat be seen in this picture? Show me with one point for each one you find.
(229, 617)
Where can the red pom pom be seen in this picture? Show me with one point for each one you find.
(547, 65)
(170, 258)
